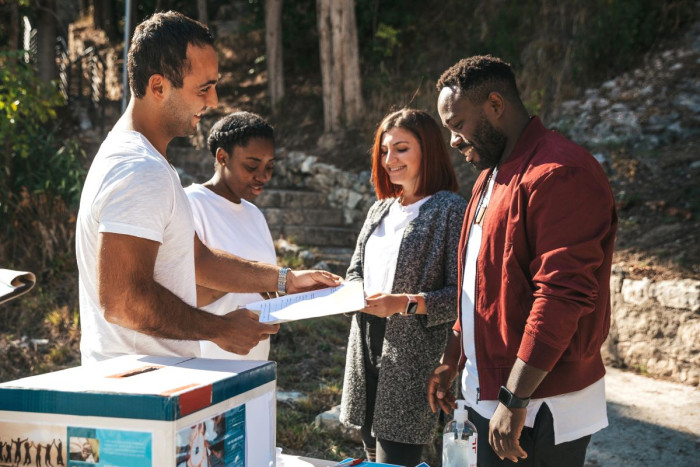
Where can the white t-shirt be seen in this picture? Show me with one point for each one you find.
(239, 229)
(575, 415)
(131, 189)
(382, 247)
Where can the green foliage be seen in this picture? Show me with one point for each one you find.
(389, 37)
(40, 173)
(534, 103)
(508, 30)
(554, 47)
(611, 34)
(34, 157)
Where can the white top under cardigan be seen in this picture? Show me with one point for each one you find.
(382, 248)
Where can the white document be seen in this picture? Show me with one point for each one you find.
(14, 283)
(347, 297)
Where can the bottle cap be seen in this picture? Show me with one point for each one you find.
(461, 414)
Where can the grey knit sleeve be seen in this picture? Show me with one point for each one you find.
(441, 304)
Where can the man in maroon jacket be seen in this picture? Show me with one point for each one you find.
(535, 260)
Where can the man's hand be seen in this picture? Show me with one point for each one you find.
(302, 281)
(439, 388)
(504, 432)
(243, 332)
(384, 305)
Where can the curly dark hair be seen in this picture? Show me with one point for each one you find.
(236, 129)
(480, 75)
(159, 46)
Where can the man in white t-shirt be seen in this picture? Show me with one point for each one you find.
(138, 256)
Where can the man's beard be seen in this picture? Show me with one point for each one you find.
(489, 143)
(177, 121)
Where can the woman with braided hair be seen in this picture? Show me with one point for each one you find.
(243, 147)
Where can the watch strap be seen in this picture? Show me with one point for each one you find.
(282, 281)
(510, 400)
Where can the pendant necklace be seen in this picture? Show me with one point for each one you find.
(485, 197)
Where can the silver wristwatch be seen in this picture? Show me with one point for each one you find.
(282, 281)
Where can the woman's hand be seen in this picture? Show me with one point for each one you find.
(303, 281)
(384, 305)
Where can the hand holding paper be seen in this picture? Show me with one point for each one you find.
(347, 297)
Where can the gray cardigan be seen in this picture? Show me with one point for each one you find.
(413, 345)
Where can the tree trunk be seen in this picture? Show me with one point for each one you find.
(202, 11)
(46, 40)
(331, 114)
(324, 45)
(13, 30)
(337, 36)
(352, 87)
(273, 44)
(340, 71)
(83, 7)
(97, 14)
(110, 19)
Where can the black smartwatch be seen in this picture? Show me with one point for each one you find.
(510, 400)
(411, 306)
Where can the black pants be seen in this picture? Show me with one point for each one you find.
(381, 450)
(537, 441)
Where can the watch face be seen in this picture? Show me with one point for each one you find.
(412, 308)
(504, 396)
(509, 399)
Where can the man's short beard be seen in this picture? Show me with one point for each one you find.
(489, 143)
(175, 121)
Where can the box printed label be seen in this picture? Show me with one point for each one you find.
(216, 442)
(102, 447)
(32, 444)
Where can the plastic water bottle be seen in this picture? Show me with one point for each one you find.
(459, 440)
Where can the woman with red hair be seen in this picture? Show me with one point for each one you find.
(406, 258)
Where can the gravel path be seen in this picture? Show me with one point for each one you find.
(653, 423)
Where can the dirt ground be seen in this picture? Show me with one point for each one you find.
(652, 423)
(658, 200)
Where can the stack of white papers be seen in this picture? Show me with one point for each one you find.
(347, 297)
(14, 283)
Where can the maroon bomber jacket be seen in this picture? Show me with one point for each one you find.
(543, 270)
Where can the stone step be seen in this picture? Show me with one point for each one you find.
(333, 259)
(273, 198)
(331, 253)
(318, 236)
(303, 216)
(196, 164)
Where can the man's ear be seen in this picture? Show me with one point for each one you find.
(158, 86)
(495, 104)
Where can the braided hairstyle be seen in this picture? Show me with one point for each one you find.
(236, 129)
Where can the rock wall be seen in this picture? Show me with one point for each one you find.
(654, 105)
(352, 193)
(655, 327)
(349, 192)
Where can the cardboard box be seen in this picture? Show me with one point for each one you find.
(143, 411)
